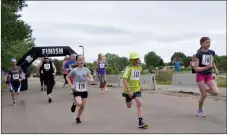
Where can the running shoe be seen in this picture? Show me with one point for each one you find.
(142, 124)
(73, 108)
(49, 100)
(78, 120)
(41, 89)
(14, 103)
(200, 113)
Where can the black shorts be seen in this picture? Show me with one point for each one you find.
(15, 86)
(128, 99)
(80, 94)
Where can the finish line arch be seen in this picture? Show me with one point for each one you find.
(36, 52)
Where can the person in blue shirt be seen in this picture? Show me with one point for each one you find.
(177, 64)
(69, 64)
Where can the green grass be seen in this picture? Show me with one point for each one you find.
(163, 82)
(221, 81)
(3, 86)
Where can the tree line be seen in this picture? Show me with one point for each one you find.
(16, 38)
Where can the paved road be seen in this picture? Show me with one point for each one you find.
(107, 113)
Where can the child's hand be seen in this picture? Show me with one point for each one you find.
(130, 94)
(217, 72)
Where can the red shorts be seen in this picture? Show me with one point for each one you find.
(205, 78)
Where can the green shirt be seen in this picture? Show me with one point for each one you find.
(132, 74)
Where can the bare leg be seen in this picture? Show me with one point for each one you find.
(139, 106)
(13, 96)
(202, 87)
(213, 88)
(81, 109)
(129, 104)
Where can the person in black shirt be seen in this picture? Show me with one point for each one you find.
(49, 71)
(40, 73)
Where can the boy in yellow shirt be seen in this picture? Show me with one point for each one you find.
(131, 80)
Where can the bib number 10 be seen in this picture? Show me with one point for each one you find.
(135, 74)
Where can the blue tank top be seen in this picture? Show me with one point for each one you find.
(101, 68)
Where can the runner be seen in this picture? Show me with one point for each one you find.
(15, 74)
(41, 77)
(101, 70)
(203, 67)
(49, 71)
(80, 77)
(69, 65)
(65, 71)
(177, 64)
(131, 80)
(192, 64)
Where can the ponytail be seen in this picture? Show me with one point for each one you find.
(199, 49)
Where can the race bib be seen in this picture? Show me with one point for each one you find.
(15, 76)
(81, 86)
(135, 75)
(207, 59)
(47, 66)
(193, 64)
(102, 65)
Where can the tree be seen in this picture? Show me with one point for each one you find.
(112, 59)
(16, 38)
(187, 61)
(161, 63)
(221, 63)
(31, 69)
(178, 54)
(152, 59)
(121, 63)
(58, 65)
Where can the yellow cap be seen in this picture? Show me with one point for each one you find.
(134, 55)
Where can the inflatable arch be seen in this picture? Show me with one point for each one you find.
(36, 52)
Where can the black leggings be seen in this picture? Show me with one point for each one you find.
(49, 83)
(41, 81)
(66, 82)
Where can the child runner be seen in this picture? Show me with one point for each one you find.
(131, 80)
(65, 71)
(192, 64)
(69, 65)
(80, 76)
(203, 67)
(101, 70)
(15, 75)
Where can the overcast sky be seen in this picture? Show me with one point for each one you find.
(122, 27)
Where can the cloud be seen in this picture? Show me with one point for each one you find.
(121, 27)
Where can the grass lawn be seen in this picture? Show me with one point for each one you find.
(163, 82)
(3, 86)
(221, 82)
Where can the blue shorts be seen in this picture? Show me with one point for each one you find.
(136, 94)
(15, 86)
